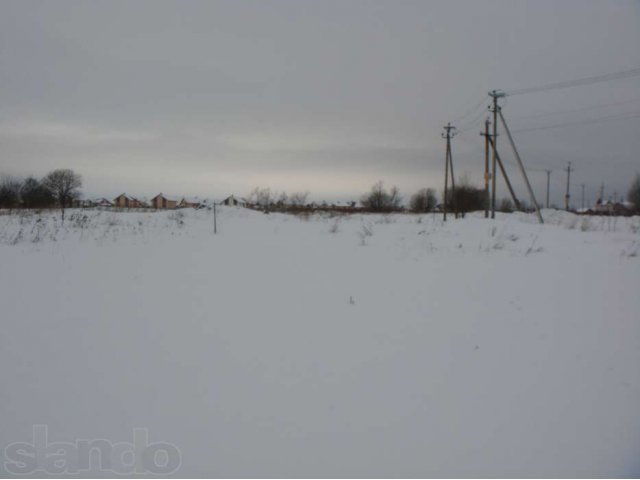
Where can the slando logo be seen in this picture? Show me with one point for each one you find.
(121, 458)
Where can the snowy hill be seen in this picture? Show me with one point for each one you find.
(368, 345)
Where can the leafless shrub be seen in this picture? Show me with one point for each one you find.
(18, 238)
(79, 220)
(532, 247)
(261, 197)
(385, 219)
(365, 232)
(466, 197)
(297, 199)
(506, 206)
(585, 226)
(423, 200)
(381, 200)
(178, 217)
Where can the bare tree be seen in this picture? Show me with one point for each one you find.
(424, 200)
(633, 195)
(266, 198)
(261, 197)
(64, 186)
(468, 197)
(283, 200)
(34, 194)
(381, 200)
(9, 192)
(298, 199)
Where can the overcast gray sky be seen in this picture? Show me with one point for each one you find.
(215, 97)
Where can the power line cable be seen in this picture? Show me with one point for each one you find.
(539, 169)
(473, 110)
(624, 116)
(634, 72)
(576, 110)
(480, 116)
(473, 123)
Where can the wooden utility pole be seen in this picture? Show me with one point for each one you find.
(567, 196)
(601, 199)
(448, 135)
(506, 178)
(548, 183)
(215, 220)
(487, 175)
(521, 165)
(494, 95)
(582, 196)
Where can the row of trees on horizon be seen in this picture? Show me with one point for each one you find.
(59, 188)
(465, 198)
(381, 199)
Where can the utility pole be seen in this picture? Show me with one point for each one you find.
(448, 135)
(567, 196)
(487, 175)
(215, 223)
(494, 94)
(548, 183)
(532, 196)
(582, 196)
(506, 178)
(600, 200)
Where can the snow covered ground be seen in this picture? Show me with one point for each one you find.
(354, 346)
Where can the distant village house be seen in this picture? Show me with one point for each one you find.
(102, 202)
(232, 201)
(125, 201)
(161, 201)
(189, 203)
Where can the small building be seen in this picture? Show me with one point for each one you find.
(189, 203)
(162, 201)
(102, 202)
(125, 201)
(233, 201)
(612, 208)
(82, 203)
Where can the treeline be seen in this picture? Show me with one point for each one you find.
(465, 198)
(267, 199)
(57, 189)
(379, 199)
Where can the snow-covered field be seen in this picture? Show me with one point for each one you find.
(370, 345)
